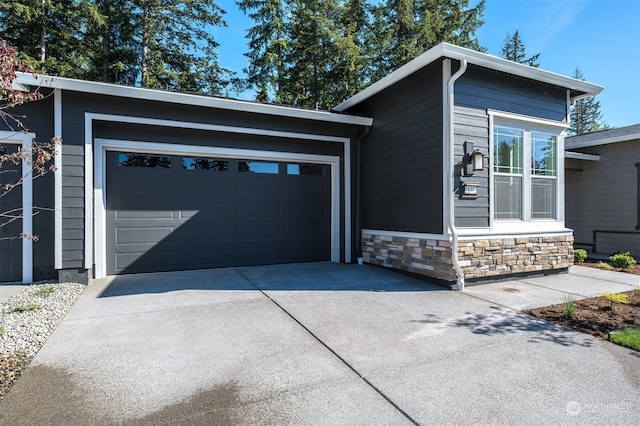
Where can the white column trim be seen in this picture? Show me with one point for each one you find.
(57, 132)
(24, 140)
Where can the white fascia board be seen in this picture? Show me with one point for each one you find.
(581, 156)
(476, 58)
(605, 141)
(100, 88)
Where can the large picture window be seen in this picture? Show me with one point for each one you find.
(524, 173)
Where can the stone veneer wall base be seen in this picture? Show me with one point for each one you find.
(480, 259)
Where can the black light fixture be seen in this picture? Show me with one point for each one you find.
(3, 150)
(473, 159)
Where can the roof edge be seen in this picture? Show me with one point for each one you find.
(100, 88)
(477, 58)
(604, 141)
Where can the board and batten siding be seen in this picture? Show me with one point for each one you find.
(471, 125)
(401, 158)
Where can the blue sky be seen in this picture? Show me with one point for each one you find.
(602, 37)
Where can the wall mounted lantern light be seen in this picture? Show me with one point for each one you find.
(473, 159)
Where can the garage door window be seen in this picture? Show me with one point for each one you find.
(210, 164)
(141, 160)
(305, 169)
(258, 167)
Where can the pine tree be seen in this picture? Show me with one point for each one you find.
(268, 44)
(178, 46)
(513, 49)
(404, 29)
(586, 116)
(47, 34)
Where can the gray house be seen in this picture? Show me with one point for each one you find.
(448, 168)
(603, 190)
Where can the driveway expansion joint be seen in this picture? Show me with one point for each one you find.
(333, 352)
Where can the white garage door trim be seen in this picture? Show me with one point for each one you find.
(99, 194)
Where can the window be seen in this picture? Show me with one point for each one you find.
(258, 167)
(304, 169)
(524, 173)
(141, 160)
(197, 163)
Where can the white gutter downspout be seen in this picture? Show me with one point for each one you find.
(449, 138)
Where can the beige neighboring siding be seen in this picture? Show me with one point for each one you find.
(603, 196)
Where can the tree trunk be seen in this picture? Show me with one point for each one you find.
(145, 43)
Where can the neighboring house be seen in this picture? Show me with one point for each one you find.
(603, 190)
(150, 180)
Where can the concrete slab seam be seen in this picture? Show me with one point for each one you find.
(341, 359)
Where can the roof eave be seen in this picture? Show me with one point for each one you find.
(581, 88)
(603, 141)
(100, 88)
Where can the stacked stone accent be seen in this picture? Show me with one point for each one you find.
(482, 258)
(427, 257)
(492, 258)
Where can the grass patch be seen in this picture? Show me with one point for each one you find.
(26, 307)
(46, 290)
(569, 307)
(604, 265)
(629, 337)
(2, 330)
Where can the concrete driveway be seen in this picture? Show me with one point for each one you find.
(325, 344)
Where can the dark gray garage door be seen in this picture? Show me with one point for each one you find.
(184, 212)
(10, 203)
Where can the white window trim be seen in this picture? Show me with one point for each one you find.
(99, 191)
(24, 140)
(528, 124)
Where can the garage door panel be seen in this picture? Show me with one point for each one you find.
(144, 235)
(125, 212)
(258, 232)
(254, 188)
(258, 210)
(161, 219)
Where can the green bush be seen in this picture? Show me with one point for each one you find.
(25, 307)
(579, 255)
(622, 260)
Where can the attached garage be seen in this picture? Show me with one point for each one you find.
(170, 212)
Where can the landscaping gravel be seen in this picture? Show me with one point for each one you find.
(27, 319)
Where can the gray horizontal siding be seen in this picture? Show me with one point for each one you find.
(471, 125)
(401, 179)
(37, 117)
(604, 196)
(487, 89)
(75, 105)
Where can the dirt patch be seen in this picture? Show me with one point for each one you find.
(596, 316)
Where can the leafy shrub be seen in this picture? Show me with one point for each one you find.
(579, 255)
(615, 298)
(622, 260)
(2, 330)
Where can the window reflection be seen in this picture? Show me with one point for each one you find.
(196, 163)
(258, 167)
(304, 169)
(141, 160)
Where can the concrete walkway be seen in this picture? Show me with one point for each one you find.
(325, 344)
